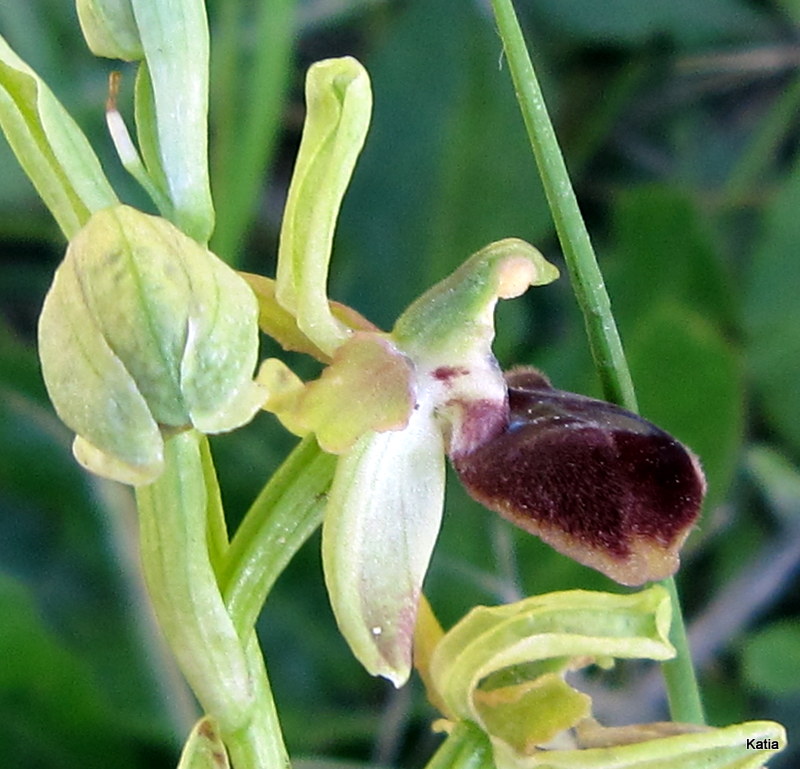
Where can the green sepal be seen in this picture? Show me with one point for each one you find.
(49, 145)
(742, 746)
(540, 636)
(383, 516)
(339, 103)
(110, 29)
(174, 35)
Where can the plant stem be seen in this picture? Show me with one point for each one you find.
(590, 292)
(679, 675)
(283, 516)
(466, 747)
(226, 674)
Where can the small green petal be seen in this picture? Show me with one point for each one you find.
(368, 386)
(339, 103)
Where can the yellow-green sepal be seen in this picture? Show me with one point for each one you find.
(49, 145)
(502, 667)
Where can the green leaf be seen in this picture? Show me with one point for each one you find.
(636, 21)
(771, 658)
(779, 480)
(50, 146)
(665, 249)
(772, 313)
(50, 710)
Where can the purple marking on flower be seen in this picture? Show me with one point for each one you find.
(597, 482)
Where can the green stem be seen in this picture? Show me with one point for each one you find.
(282, 518)
(590, 292)
(466, 747)
(226, 675)
(683, 692)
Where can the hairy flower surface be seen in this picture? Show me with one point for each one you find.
(598, 483)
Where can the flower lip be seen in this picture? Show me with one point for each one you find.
(598, 483)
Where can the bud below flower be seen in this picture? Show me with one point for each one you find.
(145, 332)
(596, 482)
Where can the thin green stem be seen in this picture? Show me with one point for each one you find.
(590, 292)
(683, 692)
(282, 518)
(587, 280)
(466, 747)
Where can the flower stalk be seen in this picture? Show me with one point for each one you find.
(589, 288)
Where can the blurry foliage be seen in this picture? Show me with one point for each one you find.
(679, 123)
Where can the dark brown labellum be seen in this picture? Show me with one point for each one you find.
(597, 482)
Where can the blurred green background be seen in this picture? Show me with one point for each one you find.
(680, 126)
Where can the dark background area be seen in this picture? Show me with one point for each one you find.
(679, 122)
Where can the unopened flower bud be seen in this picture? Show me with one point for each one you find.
(144, 332)
(596, 482)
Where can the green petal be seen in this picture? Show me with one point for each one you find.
(368, 386)
(339, 103)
